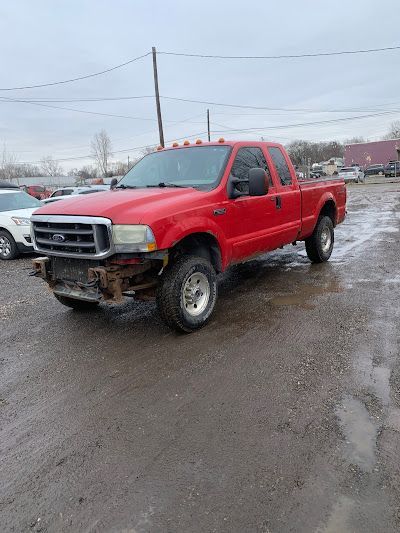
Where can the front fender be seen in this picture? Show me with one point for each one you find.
(168, 237)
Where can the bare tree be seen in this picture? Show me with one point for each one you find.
(9, 169)
(354, 140)
(394, 131)
(50, 167)
(102, 151)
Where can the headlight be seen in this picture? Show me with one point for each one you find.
(133, 238)
(21, 221)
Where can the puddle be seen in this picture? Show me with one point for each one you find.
(303, 296)
(373, 376)
(339, 518)
(360, 433)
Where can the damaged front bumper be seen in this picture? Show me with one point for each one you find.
(95, 281)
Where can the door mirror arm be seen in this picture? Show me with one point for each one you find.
(232, 190)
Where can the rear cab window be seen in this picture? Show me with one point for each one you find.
(281, 166)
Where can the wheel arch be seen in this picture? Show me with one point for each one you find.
(203, 244)
(328, 208)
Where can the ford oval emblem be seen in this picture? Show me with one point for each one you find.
(58, 237)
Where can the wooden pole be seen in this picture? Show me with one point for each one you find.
(157, 93)
(208, 125)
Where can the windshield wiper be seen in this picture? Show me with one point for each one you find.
(123, 186)
(167, 184)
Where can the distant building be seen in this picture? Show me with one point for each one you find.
(372, 153)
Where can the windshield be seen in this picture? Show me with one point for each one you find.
(200, 167)
(17, 200)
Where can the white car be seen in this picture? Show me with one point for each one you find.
(70, 192)
(352, 174)
(16, 208)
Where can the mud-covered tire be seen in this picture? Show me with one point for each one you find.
(319, 245)
(173, 301)
(8, 246)
(77, 305)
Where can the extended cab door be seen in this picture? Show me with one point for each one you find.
(254, 220)
(288, 195)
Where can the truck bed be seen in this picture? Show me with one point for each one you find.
(314, 193)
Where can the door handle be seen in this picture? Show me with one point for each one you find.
(277, 200)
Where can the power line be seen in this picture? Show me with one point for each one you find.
(133, 148)
(203, 102)
(284, 56)
(241, 106)
(304, 124)
(77, 78)
(86, 112)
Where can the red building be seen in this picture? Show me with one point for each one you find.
(372, 153)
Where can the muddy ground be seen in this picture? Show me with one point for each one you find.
(282, 415)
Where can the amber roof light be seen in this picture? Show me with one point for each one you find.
(199, 141)
(160, 147)
(186, 143)
(174, 145)
(221, 140)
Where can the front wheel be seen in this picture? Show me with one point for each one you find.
(78, 305)
(187, 293)
(8, 246)
(319, 245)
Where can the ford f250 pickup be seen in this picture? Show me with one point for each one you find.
(179, 217)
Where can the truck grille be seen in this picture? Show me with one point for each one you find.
(83, 237)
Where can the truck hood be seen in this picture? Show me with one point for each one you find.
(126, 206)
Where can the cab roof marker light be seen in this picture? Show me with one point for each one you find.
(199, 141)
(186, 143)
(221, 140)
(174, 145)
(160, 147)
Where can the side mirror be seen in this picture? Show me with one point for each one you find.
(258, 182)
(113, 184)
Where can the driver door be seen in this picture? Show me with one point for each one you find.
(256, 218)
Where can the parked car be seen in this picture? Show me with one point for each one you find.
(176, 219)
(68, 192)
(316, 173)
(16, 207)
(351, 174)
(374, 170)
(392, 169)
(37, 191)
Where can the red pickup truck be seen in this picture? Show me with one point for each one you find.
(179, 217)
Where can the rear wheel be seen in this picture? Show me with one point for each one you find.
(78, 305)
(8, 247)
(319, 245)
(187, 293)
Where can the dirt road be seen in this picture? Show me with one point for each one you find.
(282, 415)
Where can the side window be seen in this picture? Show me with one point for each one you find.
(66, 192)
(57, 193)
(245, 159)
(280, 165)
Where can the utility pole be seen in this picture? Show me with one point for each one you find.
(208, 125)
(128, 163)
(160, 126)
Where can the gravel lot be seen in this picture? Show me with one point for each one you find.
(282, 415)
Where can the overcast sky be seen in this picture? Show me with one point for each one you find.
(46, 41)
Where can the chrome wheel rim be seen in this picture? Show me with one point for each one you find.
(5, 246)
(196, 294)
(326, 239)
